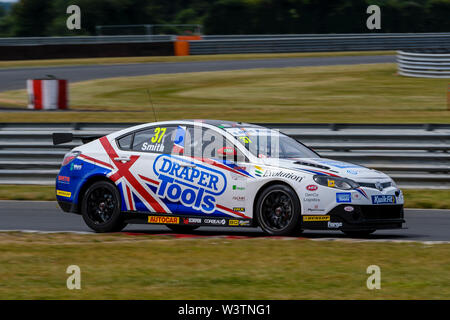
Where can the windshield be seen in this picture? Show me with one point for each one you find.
(266, 143)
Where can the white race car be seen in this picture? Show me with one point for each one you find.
(191, 173)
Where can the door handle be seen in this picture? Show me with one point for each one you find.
(125, 159)
(190, 165)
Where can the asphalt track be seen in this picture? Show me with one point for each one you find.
(45, 216)
(15, 78)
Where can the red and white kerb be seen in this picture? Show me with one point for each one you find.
(47, 94)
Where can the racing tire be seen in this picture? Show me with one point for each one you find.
(100, 208)
(359, 233)
(181, 229)
(278, 211)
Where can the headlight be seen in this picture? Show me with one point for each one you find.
(335, 182)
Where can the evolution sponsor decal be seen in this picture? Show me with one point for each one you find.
(194, 186)
(282, 174)
(316, 218)
(312, 187)
(239, 209)
(343, 197)
(163, 220)
(62, 193)
(384, 199)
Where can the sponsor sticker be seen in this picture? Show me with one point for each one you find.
(343, 197)
(384, 199)
(331, 183)
(194, 186)
(192, 220)
(334, 225)
(215, 221)
(235, 187)
(238, 198)
(282, 174)
(244, 222)
(316, 218)
(74, 166)
(63, 179)
(62, 193)
(312, 187)
(349, 208)
(164, 220)
(233, 222)
(239, 209)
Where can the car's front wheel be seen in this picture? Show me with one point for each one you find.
(278, 211)
(100, 207)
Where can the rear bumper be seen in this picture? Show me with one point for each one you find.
(362, 217)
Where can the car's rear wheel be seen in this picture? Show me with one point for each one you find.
(278, 211)
(100, 207)
(359, 233)
(181, 229)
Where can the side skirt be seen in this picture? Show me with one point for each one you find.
(164, 218)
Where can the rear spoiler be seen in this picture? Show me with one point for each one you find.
(64, 137)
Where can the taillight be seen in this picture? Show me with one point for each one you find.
(69, 157)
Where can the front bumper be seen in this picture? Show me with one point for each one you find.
(361, 217)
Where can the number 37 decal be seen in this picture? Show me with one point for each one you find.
(159, 134)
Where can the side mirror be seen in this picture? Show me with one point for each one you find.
(227, 151)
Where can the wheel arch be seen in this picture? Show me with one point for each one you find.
(265, 186)
(89, 182)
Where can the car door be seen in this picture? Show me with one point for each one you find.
(138, 153)
(216, 158)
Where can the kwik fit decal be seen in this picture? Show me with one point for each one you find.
(194, 185)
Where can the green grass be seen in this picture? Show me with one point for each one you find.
(125, 60)
(142, 267)
(354, 93)
(414, 198)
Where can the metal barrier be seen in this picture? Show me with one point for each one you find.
(414, 155)
(218, 44)
(424, 64)
(310, 43)
(32, 41)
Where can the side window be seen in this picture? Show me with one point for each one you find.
(125, 142)
(156, 139)
(207, 143)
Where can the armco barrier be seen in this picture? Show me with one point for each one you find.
(414, 155)
(424, 64)
(141, 45)
(317, 43)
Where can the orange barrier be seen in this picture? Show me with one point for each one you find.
(181, 45)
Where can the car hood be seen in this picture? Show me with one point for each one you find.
(329, 167)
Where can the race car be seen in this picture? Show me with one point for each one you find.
(191, 173)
